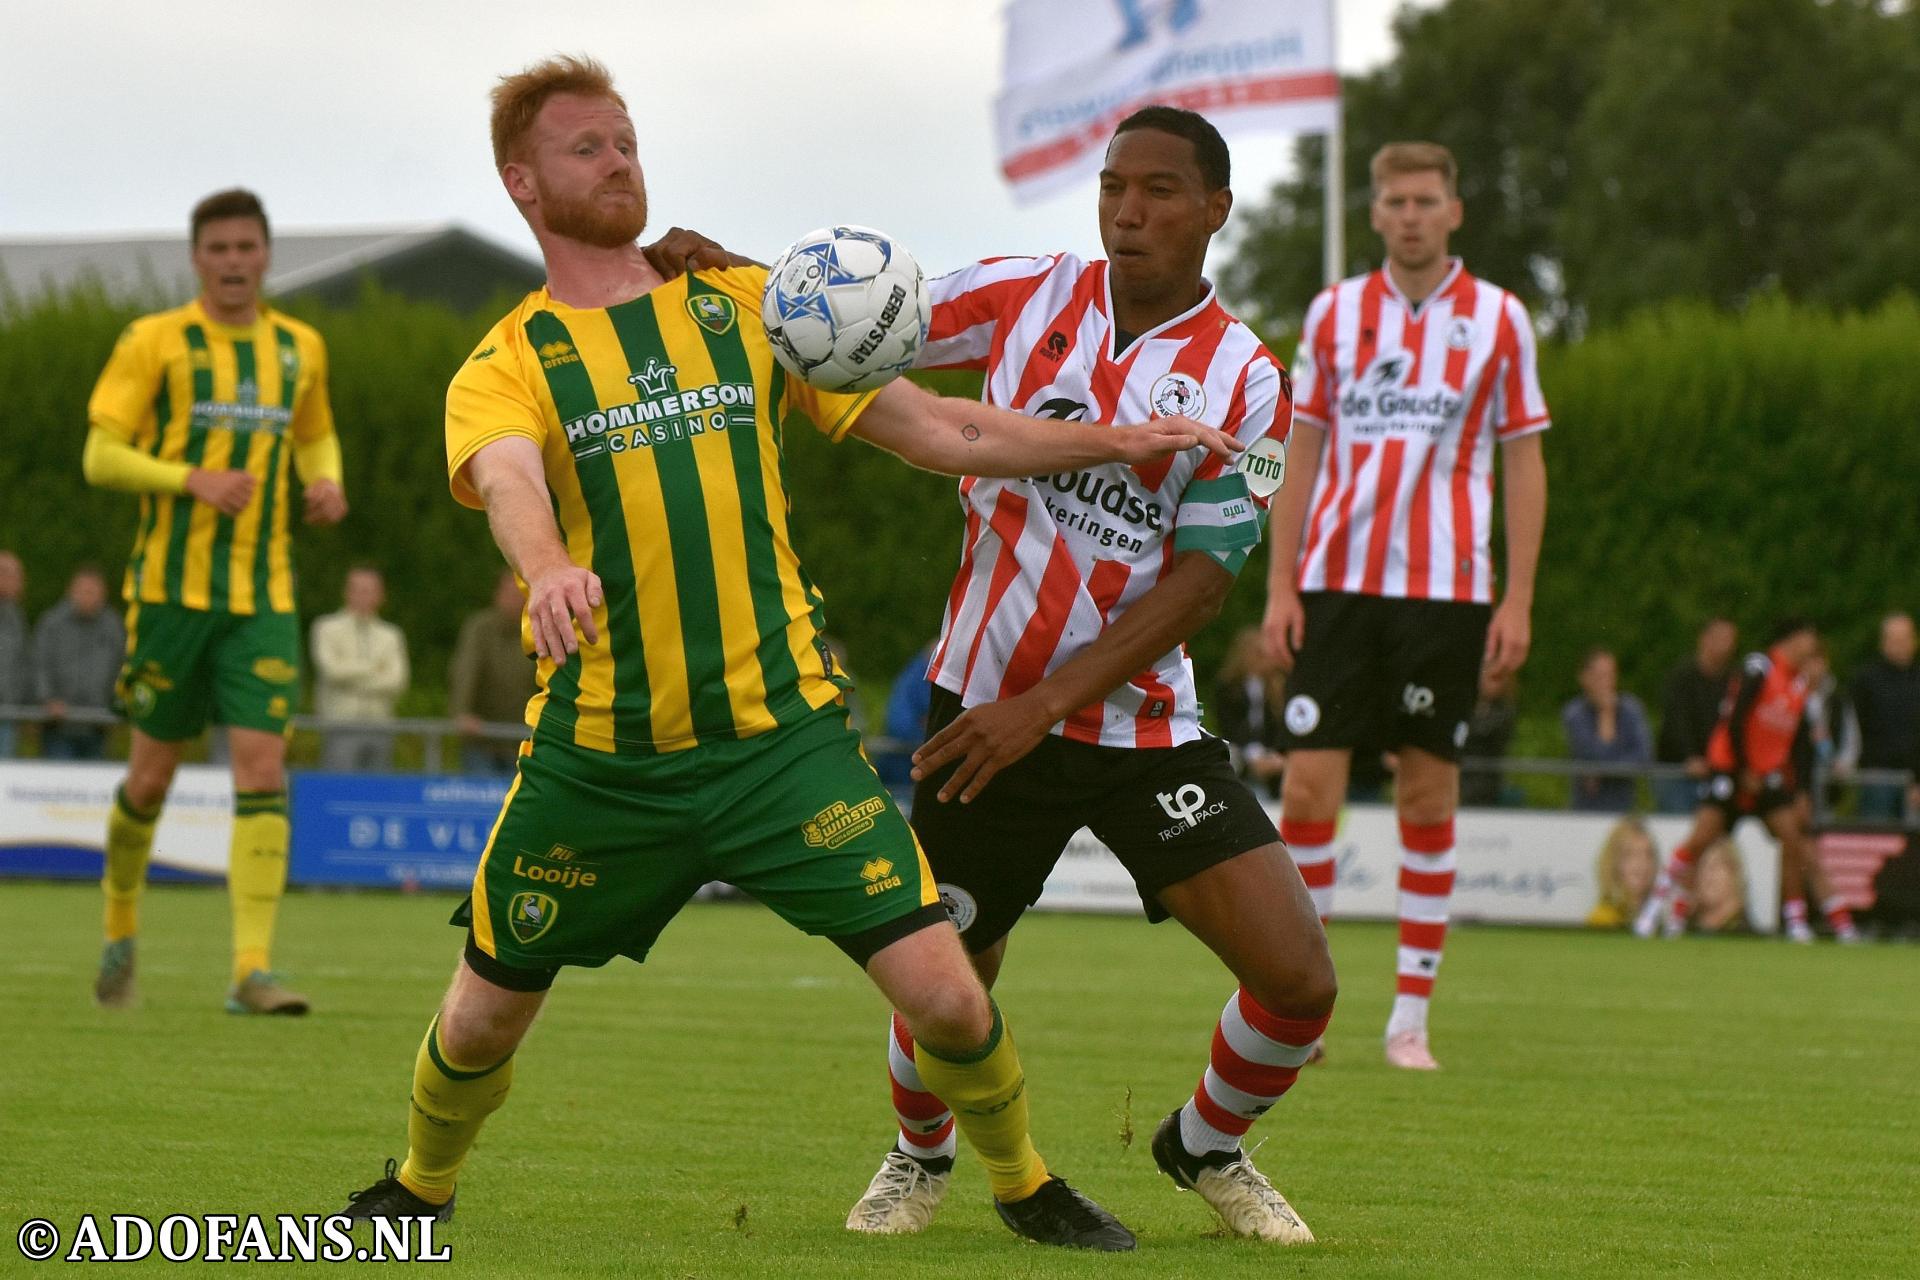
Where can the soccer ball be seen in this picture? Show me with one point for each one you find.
(846, 308)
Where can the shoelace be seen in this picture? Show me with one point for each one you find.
(385, 1184)
(1243, 1175)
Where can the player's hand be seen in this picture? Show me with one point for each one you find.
(1285, 627)
(1509, 637)
(557, 598)
(1158, 437)
(680, 251)
(228, 491)
(326, 502)
(984, 740)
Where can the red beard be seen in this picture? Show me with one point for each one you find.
(583, 219)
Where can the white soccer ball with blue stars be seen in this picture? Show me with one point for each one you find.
(846, 308)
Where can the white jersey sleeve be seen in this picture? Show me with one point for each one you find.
(970, 303)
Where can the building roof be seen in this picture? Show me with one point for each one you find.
(442, 261)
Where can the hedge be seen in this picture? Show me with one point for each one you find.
(1757, 464)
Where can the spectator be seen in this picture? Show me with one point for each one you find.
(1720, 900)
(16, 655)
(1827, 735)
(1496, 710)
(491, 679)
(1605, 726)
(906, 719)
(360, 669)
(1689, 708)
(1886, 701)
(1628, 864)
(78, 647)
(1248, 701)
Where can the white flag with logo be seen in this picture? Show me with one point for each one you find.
(1076, 68)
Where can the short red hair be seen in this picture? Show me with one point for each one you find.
(517, 98)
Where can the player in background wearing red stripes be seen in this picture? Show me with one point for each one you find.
(1380, 589)
(1751, 756)
(1063, 696)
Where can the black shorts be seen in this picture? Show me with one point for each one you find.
(1382, 673)
(1166, 812)
(1722, 791)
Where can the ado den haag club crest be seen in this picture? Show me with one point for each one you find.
(531, 914)
(711, 311)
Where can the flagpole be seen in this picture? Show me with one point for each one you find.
(1333, 263)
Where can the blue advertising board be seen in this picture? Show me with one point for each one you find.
(395, 831)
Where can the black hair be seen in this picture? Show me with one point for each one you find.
(1209, 148)
(236, 203)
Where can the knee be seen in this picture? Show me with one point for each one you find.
(146, 786)
(1306, 796)
(474, 1040)
(1305, 989)
(952, 1017)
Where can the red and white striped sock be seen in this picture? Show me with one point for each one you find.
(1840, 918)
(1426, 890)
(926, 1126)
(1311, 844)
(1256, 1058)
(1793, 911)
(1677, 876)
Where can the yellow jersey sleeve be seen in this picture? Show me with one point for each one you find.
(122, 400)
(832, 413)
(489, 398)
(312, 407)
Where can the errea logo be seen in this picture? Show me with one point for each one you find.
(878, 873)
(554, 354)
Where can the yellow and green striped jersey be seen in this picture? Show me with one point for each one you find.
(186, 388)
(659, 421)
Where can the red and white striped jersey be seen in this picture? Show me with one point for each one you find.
(1048, 561)
(1413, 400)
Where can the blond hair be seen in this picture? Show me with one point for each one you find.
(1414, 157)
(517, 98)
(1613, 888)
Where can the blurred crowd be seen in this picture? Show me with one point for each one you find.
(58, 673)
(67, 660)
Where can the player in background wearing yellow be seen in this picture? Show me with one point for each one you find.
(206, 411)
(624, 433)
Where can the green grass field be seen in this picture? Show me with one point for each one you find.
(1608, 1108)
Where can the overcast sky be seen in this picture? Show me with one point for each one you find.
(757, 119)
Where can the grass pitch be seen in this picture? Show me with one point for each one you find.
(1609, 1107)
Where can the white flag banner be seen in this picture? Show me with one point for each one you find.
(1076, 68)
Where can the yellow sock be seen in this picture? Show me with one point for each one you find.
(256, 875)
(450, 1103)
(987, 1092)
(129, 844)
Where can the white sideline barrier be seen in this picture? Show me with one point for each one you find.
(51, 810)
(1516, 866)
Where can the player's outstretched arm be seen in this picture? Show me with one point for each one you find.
(958, 437)
(989, 737)
(510, 480)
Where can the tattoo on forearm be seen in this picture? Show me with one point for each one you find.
(970, 433)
